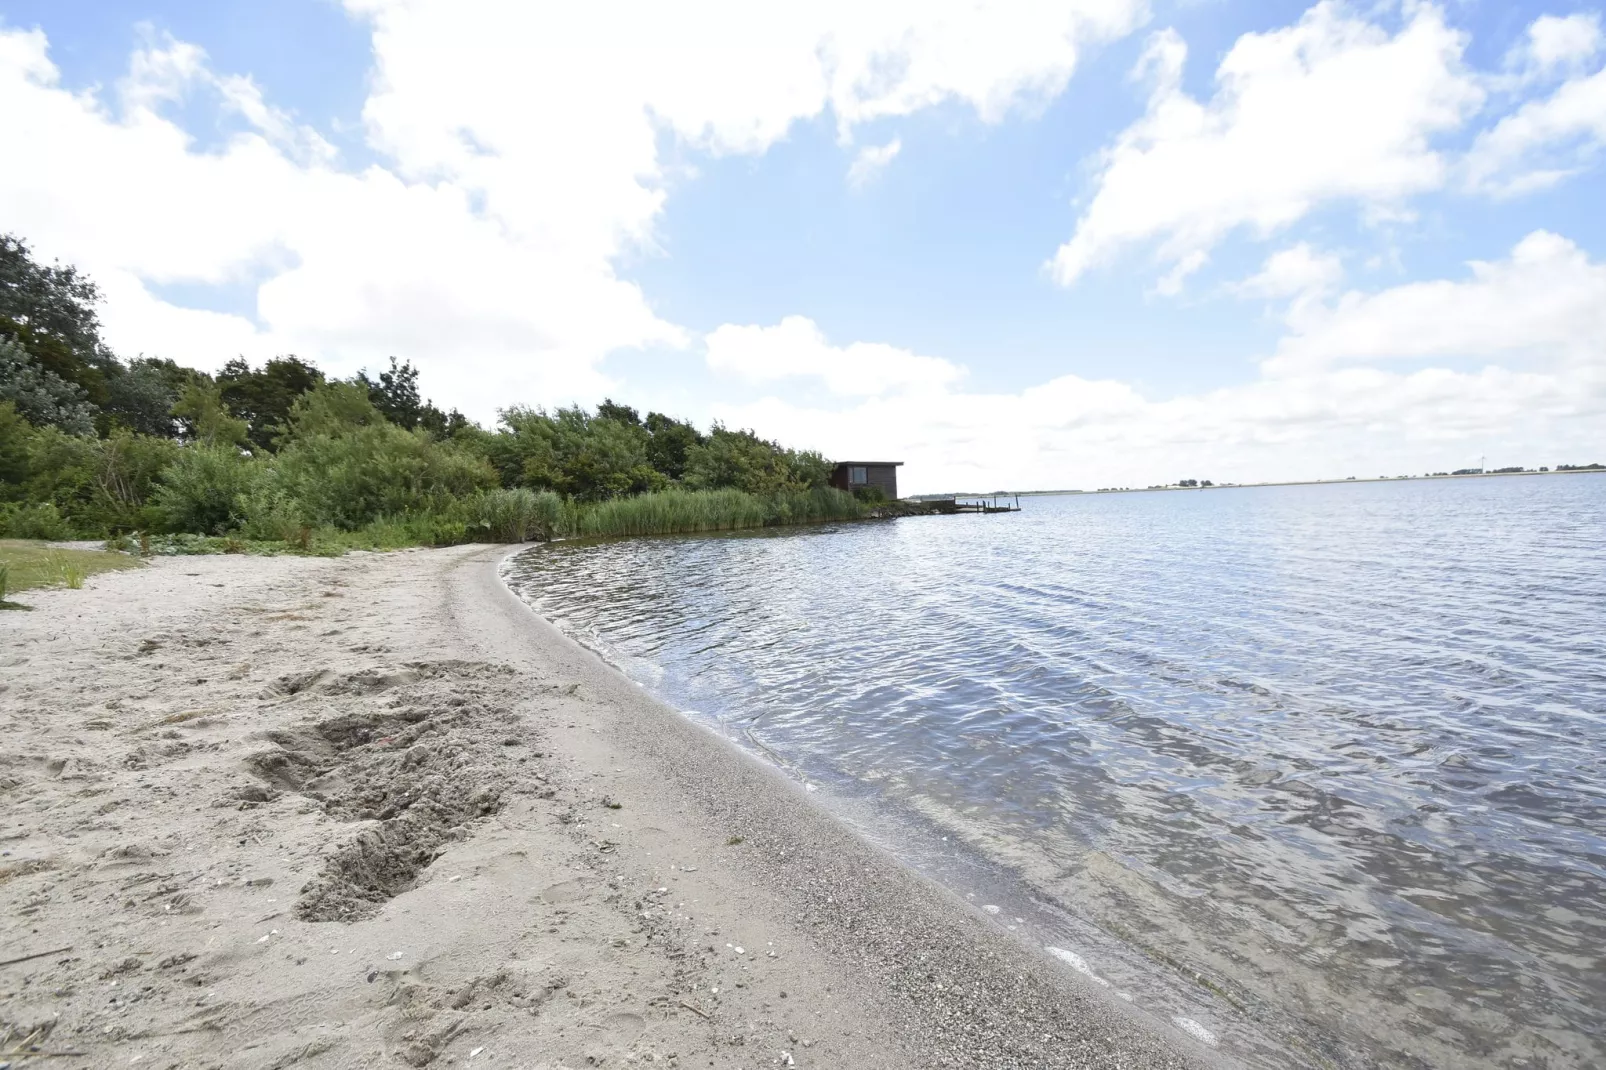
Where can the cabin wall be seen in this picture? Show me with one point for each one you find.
(882, 476)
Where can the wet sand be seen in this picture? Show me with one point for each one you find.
(272, 812)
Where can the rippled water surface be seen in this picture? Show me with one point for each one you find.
(1322, 769)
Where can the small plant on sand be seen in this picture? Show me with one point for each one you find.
(734, 840)
(72, 573)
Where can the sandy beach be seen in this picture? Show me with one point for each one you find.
(372, 811)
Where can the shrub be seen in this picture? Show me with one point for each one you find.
(202, 489)
(41, 520)
(268, 511)
(351, 478)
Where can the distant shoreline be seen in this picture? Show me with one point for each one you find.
(1240, 486)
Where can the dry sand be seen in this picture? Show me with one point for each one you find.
(372, 811)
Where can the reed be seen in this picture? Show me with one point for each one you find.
(516, 515)
(675, 512)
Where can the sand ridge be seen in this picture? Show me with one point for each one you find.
(371, 811)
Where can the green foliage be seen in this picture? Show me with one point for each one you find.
(127, 469)
(203, 489)
(514, 515)
(332, 409)
(742, 460)
(40, 395)
(140, 396)
(395, 394)
(206, 419)
(348, 467)
(670, 443)
(263, 398)
(50, 310)
(589, 458)
(40, 520)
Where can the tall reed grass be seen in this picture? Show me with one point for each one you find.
(674, 512)
(517, 515)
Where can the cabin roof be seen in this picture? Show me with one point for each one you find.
(871, 464)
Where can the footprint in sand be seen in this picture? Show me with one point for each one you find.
(563, 892)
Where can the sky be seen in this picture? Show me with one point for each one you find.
(1014, 245)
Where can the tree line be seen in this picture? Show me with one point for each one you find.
(95, 445)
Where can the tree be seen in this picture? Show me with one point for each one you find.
(50, 311)
(206, 419)
(609, 410)
(670, 443)
(742, 460)
(263, 398)
(574, 453)
(140, 396)
(332, 409)
(40, 395)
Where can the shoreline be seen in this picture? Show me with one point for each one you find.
(340, 811)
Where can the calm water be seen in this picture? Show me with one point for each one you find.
(1318, 771)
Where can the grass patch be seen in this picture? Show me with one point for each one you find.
(26, 565)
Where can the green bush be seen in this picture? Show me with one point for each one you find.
(269, 512)
(40, 520)
(348, 467)
(202, 490)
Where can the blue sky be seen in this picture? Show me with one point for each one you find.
(1095, 224)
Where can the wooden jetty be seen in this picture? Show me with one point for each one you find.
(997, 503)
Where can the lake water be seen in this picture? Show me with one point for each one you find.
(1315, 774)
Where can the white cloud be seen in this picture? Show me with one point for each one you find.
(796, 349)
(1542, 142)
(1333, 108)
(1295, 272)
(1170, 284)
(521, 158)
(1547, 301)
(871, 160)
(1555, 43)
(1535, 321)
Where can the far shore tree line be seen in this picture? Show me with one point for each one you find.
(93, 445)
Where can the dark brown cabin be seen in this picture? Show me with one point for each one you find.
(854, 475)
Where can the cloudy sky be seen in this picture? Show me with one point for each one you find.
(1067, 244)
